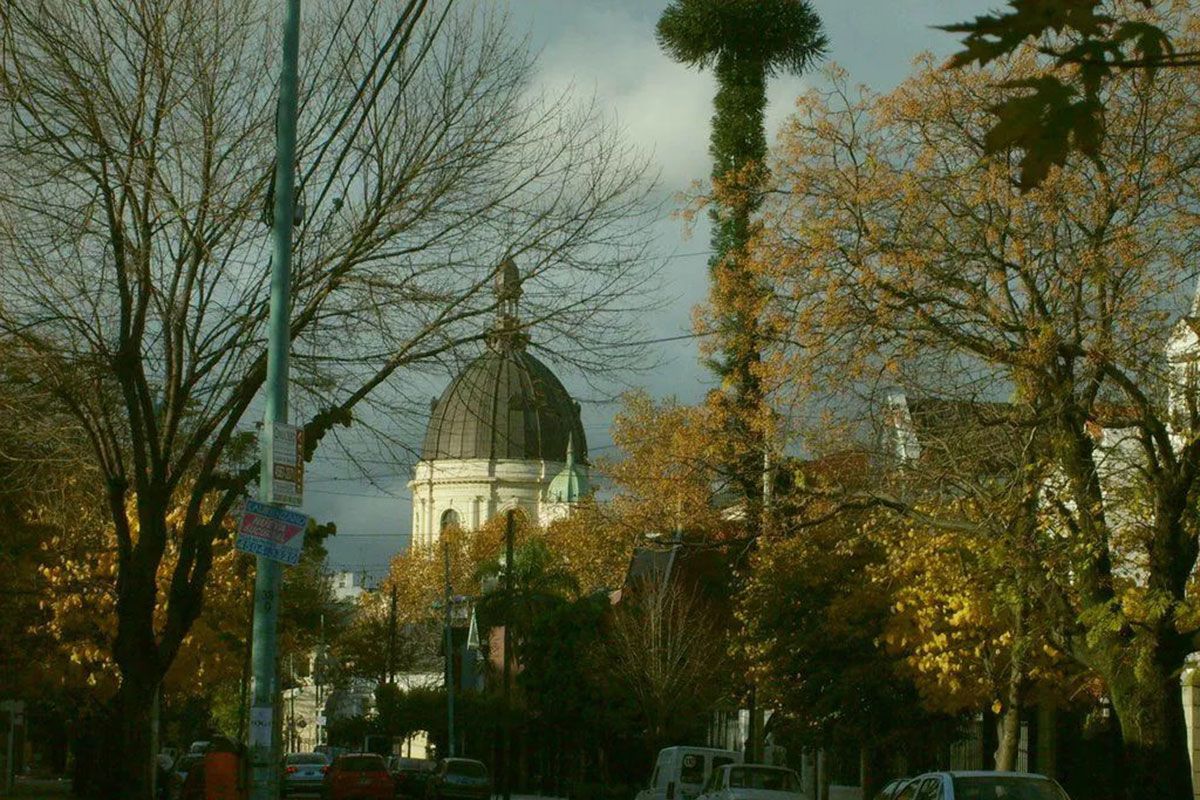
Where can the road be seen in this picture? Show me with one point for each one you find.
(40, 789)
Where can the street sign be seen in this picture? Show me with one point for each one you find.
(260, 726)
(285, 455)
(272, 532)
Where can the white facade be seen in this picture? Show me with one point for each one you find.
(347, 585)
(475, 490)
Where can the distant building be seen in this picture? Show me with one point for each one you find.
(505, 434)
(348, 585)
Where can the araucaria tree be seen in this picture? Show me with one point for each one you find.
(136, 149)
(901, 252)
(745, 42)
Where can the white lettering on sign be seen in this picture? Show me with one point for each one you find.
(272, 532)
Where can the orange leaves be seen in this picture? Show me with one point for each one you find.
(77, 592)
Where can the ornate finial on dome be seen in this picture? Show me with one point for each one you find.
(507, 335)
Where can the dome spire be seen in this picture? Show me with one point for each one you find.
(506, 335)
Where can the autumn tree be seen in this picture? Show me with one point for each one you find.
(137, 154)
(669, 473)
(594, 543)
(900, 254)
(812, 626)
(745, 42)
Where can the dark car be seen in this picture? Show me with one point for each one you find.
(179, 772)
(303, 773)
(410, 775)
(358, 776)
(459, 779)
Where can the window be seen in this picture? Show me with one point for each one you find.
(361, 764)
(764, 778)
(714, 780)
(931, 789)
(721, 761)
(1006, 787)
(909, 791)
(654, 777)
(307, 758)
(888, 791)
(693, 769)
(470, 769)
(450, 519)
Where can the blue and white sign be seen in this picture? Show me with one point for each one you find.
(271, 532)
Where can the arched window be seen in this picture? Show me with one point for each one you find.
(450, 519)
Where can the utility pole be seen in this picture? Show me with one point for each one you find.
(263, 745)
(293, 737)
(391, 651)
(755, 747)
(509, 535)
(319, 670)
(449, 653)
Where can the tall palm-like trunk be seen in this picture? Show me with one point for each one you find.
(737, 296)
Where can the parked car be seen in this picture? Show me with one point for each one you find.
(681, 772)
(751, 782)
(200, 746)
(459, 779)
(303, 773)
(179, 772)
(982, 786)
(357, 776)
(410, 775)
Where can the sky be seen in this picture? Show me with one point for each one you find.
(606, 49)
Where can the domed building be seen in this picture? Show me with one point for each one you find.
(504, 434)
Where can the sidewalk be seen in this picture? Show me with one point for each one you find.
(40, 789)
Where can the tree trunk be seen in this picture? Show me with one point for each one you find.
(1009, 733)
(131, 760)
(1008, 729)
(868, 769)
(1149, 708)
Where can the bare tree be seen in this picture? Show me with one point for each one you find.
(667, 645)
(136, 149)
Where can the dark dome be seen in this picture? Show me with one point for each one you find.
(505, 405)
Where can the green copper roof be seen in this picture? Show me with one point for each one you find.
(570, 484)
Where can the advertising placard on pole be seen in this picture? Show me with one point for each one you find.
(271, 532)
(286, 455)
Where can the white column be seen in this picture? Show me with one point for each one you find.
(1190, 680)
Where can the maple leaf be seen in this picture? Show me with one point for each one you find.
(1046, 124)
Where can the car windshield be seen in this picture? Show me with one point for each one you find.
(361, 764)
(1005, 787)
(772, 780)
(469, 769)
(306, 758)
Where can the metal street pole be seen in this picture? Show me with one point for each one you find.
(509, 536)
(449, 653)
(263, 746)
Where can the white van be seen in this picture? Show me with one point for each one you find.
(681, 772)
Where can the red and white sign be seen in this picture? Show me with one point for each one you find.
(272, 532)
